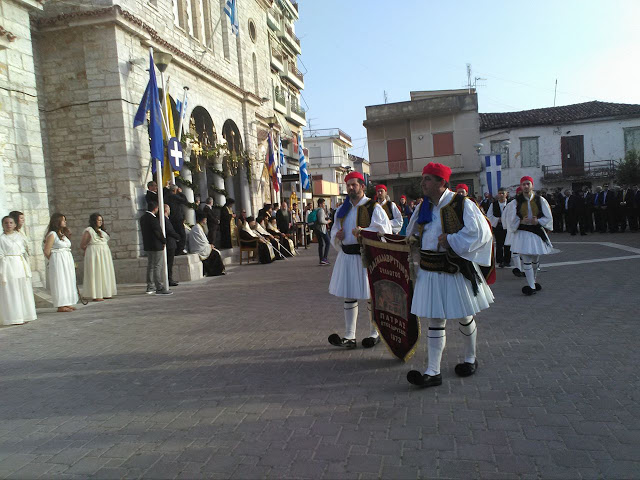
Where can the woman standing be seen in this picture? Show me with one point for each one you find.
(99, 275)
(62, 273)
(16, 293)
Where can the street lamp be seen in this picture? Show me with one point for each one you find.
(162, 60)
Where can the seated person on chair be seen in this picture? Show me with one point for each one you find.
(248, 237)
(289, 249)
(198, 243)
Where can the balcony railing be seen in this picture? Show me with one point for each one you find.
(298, 110)
(596, 169)
(277, 54)
(409, 167)
(292, 35)
(297, 73)
(327, 132)
(280, 98)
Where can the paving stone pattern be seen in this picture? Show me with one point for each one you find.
(232, 377)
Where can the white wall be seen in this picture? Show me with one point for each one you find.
(603, 140)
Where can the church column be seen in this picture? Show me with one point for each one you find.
(219, 182)
(188, 192)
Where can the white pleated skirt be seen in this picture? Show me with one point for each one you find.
(62, 279)
(508, 240)
(349, 277)
(18, 304)
(445, 295)
(528, 243)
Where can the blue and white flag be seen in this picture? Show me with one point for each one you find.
(283, 162)
(231, 9)
(151, 103)
(493, 168)
(304, 172)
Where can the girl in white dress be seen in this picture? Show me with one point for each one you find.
(16, 293)
(62, 273)
(99, 275)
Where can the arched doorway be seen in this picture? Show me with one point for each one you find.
(210, 183)
(236, 182)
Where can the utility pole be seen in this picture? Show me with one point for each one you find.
(385, 96)
(555, 91)
(469, 77)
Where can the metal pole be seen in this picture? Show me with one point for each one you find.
(304, 217)
(182, 113)
(159, 181)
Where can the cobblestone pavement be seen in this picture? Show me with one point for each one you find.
(233, 377)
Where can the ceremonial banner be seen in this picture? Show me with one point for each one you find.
(391, 292)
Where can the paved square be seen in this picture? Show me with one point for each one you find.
(233, 377)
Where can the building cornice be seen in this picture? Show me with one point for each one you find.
(31, 4)
(150, 37)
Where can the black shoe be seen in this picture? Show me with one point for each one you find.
(501, 265)
(527, 290)
(419, 380)
(518, 273)
(164, 292)
(538, 287)
(466, 369)
(337, 341)
(370, 341)
(173, 284)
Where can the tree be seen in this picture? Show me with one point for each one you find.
(628, 170)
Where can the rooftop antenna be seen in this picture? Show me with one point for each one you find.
(469, 77)
(385, 96)
(555, 91)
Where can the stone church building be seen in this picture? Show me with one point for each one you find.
(72, 74)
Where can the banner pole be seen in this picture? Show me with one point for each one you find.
(161, 190)
(304, 217)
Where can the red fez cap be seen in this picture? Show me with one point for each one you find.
(403, 196)
(518, 190)
(463, 186)
(356, 175)
(526, 178)
(438, 170)
(381, 187)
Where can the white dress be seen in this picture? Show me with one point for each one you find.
(349, 277)
(99, 275)
(528, 243)
(62, 273)
(445, 295)
(16, 292)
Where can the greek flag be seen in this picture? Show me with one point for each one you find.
(493, 168)
(283, 162)
(151, 103)
(232, 12)
(304, 173)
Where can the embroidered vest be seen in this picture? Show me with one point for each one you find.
(388, 209)
(523, 210)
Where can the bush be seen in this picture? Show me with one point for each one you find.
(628, 170)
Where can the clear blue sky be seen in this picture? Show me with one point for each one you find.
(354, 50)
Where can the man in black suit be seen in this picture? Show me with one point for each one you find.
(558, 211)
(177, 200)
(577, 213)
(494, 214)
(609, 204)
(625, 211)
(589, 209)
(283, 219)
(636, 209)
(486, 202)
(172, 243)
(213, 221)
(153, 242)
(152, 192)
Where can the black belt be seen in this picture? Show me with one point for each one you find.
(445, 262)
(353, 249)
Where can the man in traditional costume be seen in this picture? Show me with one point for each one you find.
(227, 224)
(529, 219)
(390, 208)
(495, 215)
(250, 237)
(455, 239)
(349, 277)
(515, 256)
(462, 189)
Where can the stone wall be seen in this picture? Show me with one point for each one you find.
(22, 174)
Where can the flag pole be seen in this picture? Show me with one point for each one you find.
(304, 217)
(161, 192)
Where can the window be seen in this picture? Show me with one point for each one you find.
(529, 152)
(208, 22)
(631, 139)
(397, 155)
(256, 88)
(225, 31)
(253, 33)
(196, 19)
(498, 148)
(442, 144)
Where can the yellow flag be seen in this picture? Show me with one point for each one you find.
(166, 169)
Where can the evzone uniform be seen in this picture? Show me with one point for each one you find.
(392, 211)
(515, 256)
(530, 241)
(450, 284)
(495, 214)
(349, 277)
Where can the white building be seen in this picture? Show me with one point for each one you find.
(568, 147)
(329, 162)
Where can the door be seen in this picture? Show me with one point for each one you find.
(572, 150)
